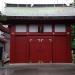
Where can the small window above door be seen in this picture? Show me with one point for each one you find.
(47, 28)
(33, 28)
(60, 28)
(20, 28)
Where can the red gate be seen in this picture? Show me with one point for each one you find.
(20, 49)
(40, 49)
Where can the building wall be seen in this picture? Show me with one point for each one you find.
(52, 45)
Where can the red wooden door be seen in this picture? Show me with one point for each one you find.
(61, 49)
(34, 46)
(40, 49)
(20, 49)
(46, 50)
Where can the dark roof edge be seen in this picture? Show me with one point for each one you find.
(40, 17)
(35, 5)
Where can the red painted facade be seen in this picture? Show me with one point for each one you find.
(46, 47)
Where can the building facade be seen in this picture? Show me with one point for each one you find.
(40, 33)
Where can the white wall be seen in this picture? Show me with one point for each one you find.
(46, 11)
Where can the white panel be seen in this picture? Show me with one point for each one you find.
(47, 28)
(20, 28)
(60, 28)
(33, 28)
(40, 11)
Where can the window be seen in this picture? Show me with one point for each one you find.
(33, 28)
(60, 28)
(20, 28)
(47, 28)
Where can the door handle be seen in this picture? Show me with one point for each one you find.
(50, 40)
(42, 40)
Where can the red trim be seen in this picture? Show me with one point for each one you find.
(41, 34)
(59, 33)
(69, 55)
(69, 49)
(12, 46)
(32, 33)
(68, 28)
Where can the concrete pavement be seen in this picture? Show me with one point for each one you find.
(38, 69)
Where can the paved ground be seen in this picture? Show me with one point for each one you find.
(39, 69)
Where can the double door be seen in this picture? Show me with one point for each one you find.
(46, 49)
(33, 49)
(40, 49)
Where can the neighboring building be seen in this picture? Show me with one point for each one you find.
(4, 44)
(40, 33)
(72, 4)
(0, 13)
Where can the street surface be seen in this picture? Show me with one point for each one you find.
(39, 69)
